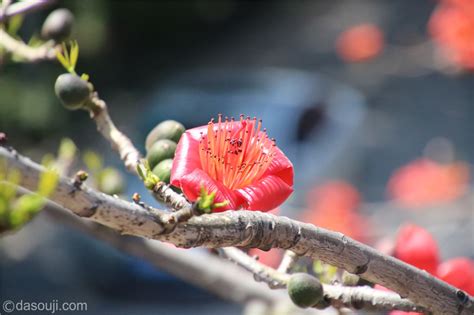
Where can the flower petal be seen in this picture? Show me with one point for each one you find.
(266, 194)
(186, 158)
(281, 167)
(191, 185)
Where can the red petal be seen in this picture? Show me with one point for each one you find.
(266, 194)
(281, 167)
(191, 185)
(186, 158)
(416, 247)
(458, 272)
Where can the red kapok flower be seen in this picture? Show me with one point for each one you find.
(360, 43)
(334, 206)
(404, 313)
(425, 182)
(416, 246)
(452, 27)
(458, 272)
(235, 159)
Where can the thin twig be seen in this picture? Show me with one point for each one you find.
(288, 261)
(129, 154)
(24, 7)
(119, 141)
(253, 229)
(261, 273)
(339, 296)
(47, 51)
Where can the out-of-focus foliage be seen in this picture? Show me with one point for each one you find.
(16, 210)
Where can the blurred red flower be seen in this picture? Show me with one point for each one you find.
(416, 246)
(235, 159)
(458, 272)
(404, 313)
(360, 43)
(334, 206)
(425, 182)
(452, 27)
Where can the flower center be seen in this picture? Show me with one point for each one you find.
(236, 153)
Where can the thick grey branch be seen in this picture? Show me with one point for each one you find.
(200, 269)
(254, 229)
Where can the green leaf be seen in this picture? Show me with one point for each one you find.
(74, 54)
(35, 41)
(47, 183)
(14, 24)
(149, 178)
(142, 170)
(48, 160)
(4, 209)
(85, 77)
(92, 160)
(66, 54)
(325, 272)
(67, 149)
(62, 59)
(206, 201)
(25, 208)
(8, 189)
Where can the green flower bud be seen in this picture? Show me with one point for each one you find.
(58, 25)
(71, 90)
(163, 170)
(304, 290)
(110, 181)
(161, 150)
(168, 129)
(349, 279)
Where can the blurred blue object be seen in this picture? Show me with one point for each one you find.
(313, 119)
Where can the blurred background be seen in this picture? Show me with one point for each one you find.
(373, 101)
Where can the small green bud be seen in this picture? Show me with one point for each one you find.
(161, 150)
(163, 170)
(58, 25)
(110, 181)
(304, 290)
(349, 279)
(71, 90)
(168, 129)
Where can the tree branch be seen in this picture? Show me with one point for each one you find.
(31, 54)
(200, 269)
(254, 229)
(288, 261)
(339, 296)
(119, 141)
(24, 7)
(128, 153)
